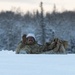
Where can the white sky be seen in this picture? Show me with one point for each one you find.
(34, 4)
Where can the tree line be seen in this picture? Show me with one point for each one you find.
(45, 26)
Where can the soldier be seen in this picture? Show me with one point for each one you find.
(21, 45)
(32, 47)
(57, 46)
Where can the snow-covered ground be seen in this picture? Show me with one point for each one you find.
(36, 64)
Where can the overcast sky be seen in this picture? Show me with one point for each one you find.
(31, 5)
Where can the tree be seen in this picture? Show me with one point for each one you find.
(54, 9)
(42, 23)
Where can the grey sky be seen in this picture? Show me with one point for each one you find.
(33, 4)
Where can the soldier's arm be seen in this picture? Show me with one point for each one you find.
(51, 46)
(56, 48)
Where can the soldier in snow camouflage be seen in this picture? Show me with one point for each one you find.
(57, 46)
(30, 46)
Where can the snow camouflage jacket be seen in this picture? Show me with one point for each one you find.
(20, 47)
(29, 49)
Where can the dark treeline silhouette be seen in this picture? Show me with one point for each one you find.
(14, 25)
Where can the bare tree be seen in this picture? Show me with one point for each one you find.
(54, 9)
(42, 23)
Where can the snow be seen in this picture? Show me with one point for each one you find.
(36, 64)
